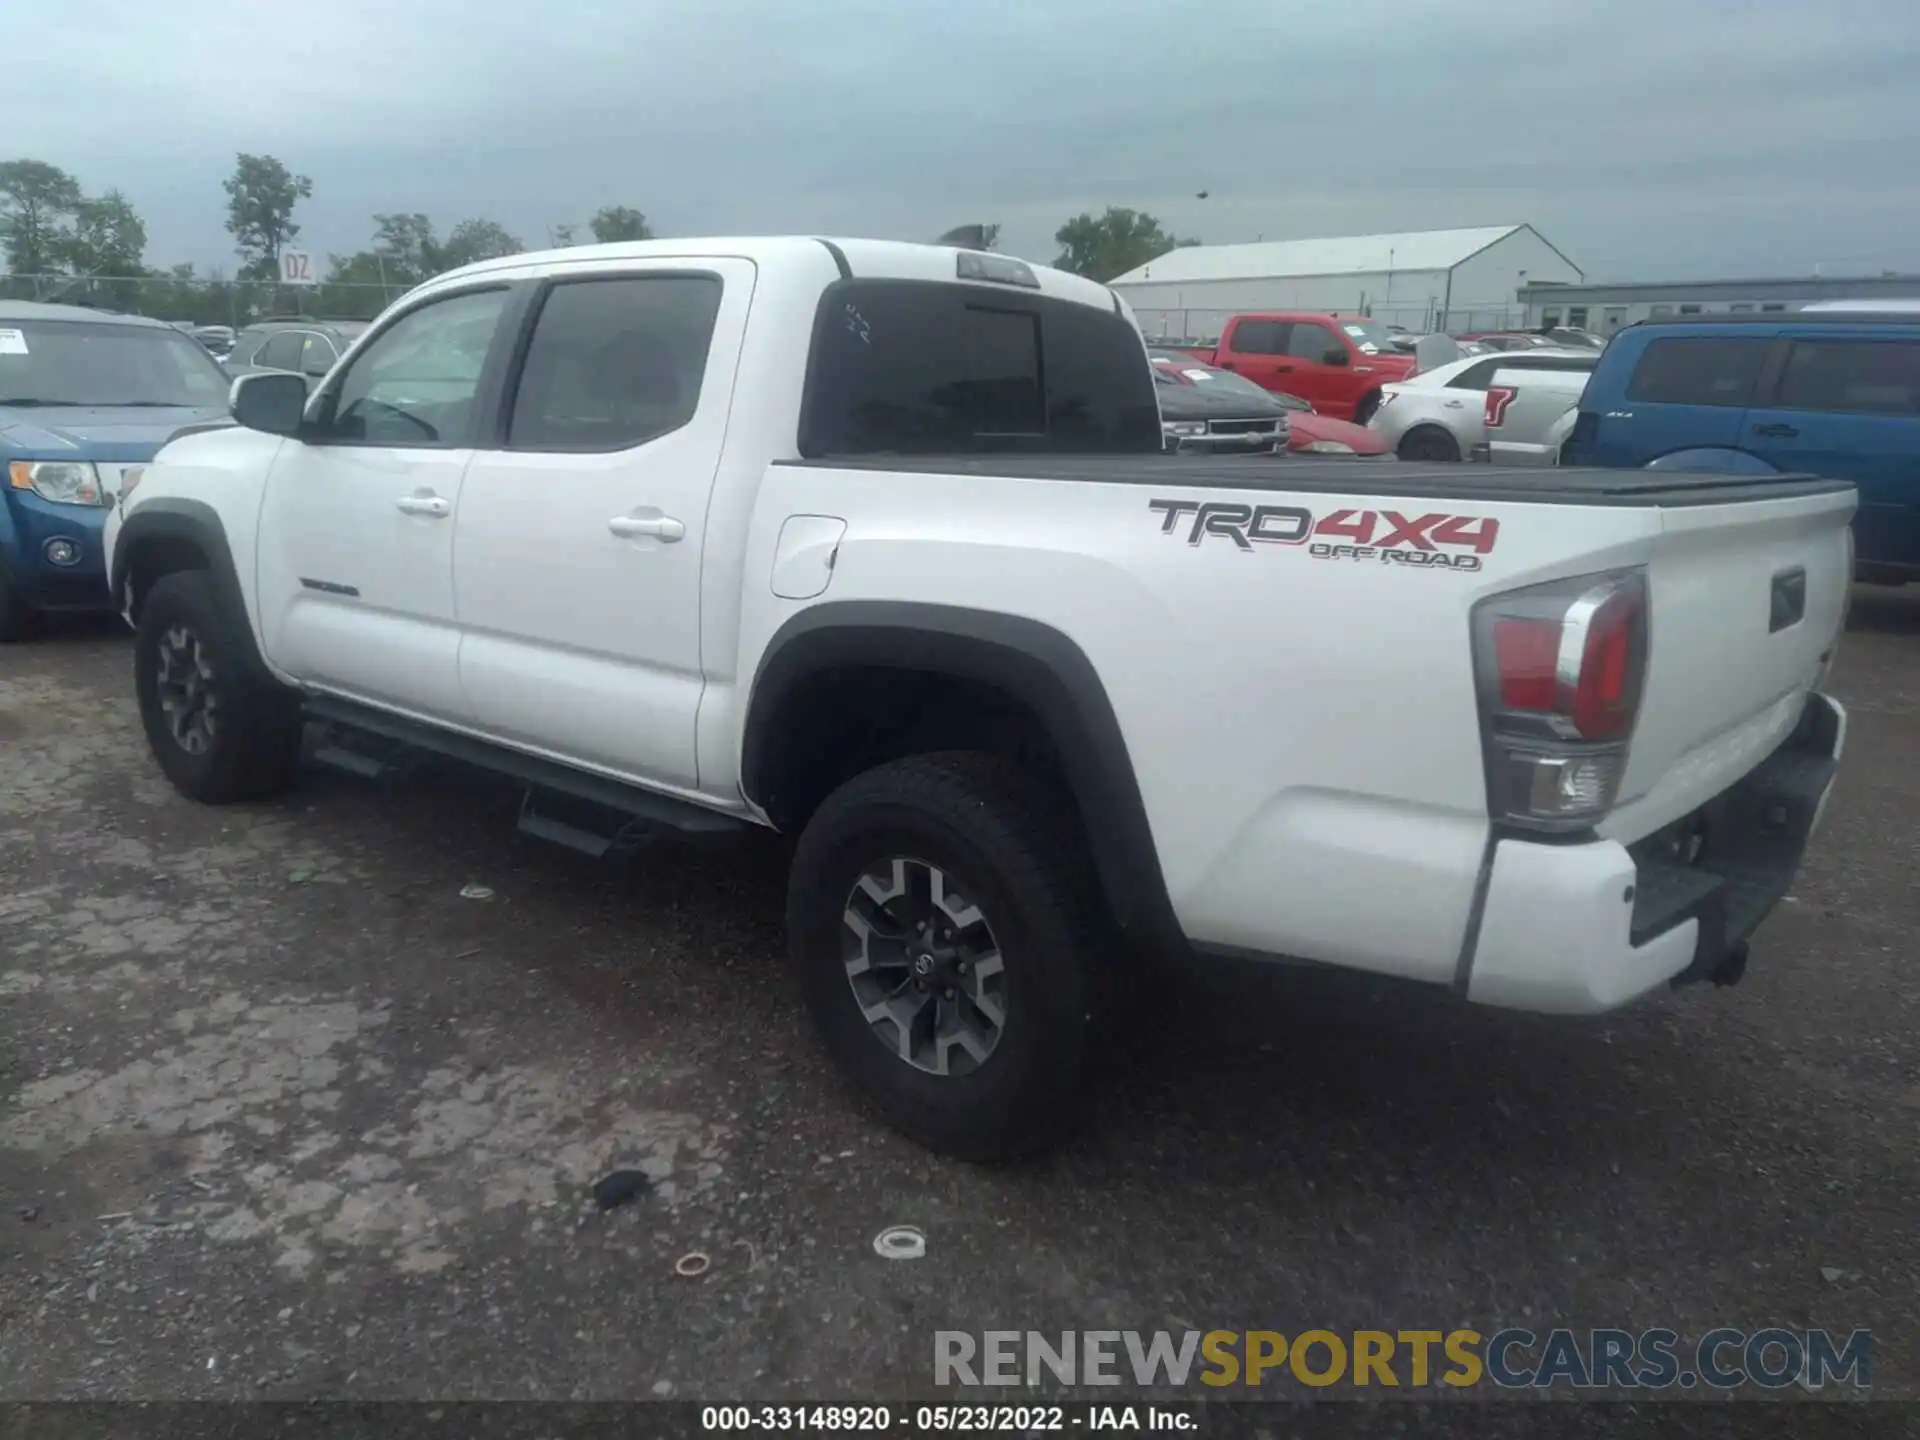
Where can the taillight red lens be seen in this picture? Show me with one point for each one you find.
(1560, 668)
(1604, 698)
(1498, 398)
(1526, 652)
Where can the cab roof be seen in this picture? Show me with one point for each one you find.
(856, 259)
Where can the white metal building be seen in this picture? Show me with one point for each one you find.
(1605, 308)
(1424, 279)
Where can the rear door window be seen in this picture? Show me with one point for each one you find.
(1855, 377)
(914, 368)
(1260, 337)
(1699, 370)
(615, 362)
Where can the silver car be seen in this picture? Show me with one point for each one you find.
(1440, 414)
(307, 348)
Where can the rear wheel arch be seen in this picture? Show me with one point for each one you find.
(1019, 682)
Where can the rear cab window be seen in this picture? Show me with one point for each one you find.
(913, 367)
(1699, 370)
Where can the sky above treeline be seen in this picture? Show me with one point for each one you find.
(1645, 138)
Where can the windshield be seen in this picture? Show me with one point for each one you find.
(1365, 333)
(58, 362)
(1223, 382)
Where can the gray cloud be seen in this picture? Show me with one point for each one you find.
(1644, 138)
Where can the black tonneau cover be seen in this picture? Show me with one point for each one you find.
(1544, 484)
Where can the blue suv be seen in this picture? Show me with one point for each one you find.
(84, 395)
(1832, 393)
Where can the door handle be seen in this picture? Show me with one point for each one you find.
(424, 502)
(1226, 364)
(1284, 369)
(1778, 432)
(657, 527)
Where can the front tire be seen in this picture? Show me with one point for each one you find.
(221, 727)
(946, 928)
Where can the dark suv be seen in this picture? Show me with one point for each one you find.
(1831, 393)
(297, 345)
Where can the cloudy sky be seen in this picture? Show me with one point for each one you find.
(1646, 138)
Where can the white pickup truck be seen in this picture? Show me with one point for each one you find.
(875, 544)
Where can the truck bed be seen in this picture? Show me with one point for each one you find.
(1544, 484)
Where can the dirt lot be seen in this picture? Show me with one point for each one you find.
(283, 1115)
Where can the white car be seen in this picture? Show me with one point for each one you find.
(1439, 414)
(695, 536)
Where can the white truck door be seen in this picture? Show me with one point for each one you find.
(578, 549)
(355, 549)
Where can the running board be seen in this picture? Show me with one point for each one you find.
(585, 812)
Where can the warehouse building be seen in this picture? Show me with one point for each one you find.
(1423, 280)
(1603, 309)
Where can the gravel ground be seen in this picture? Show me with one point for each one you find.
(282, 1115)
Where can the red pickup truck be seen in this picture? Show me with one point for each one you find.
(1336, 362)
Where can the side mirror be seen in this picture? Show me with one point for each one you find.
(1336, 356)
(273, 402)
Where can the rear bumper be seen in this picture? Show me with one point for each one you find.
(1578, 929)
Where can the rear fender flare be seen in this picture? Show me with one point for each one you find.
(1034, 664)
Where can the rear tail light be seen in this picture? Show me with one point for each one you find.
(1498, 398)
(1560, 669)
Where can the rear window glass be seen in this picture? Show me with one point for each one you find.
(1865, 377)
(907, 367)
(1698, 370)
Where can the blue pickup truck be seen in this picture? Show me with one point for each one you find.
(1834, 393)
(84, 396)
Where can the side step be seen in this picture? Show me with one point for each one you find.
(589, 813)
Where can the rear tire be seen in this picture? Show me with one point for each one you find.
(221, 727)
(1430, 446)
(1006, 849)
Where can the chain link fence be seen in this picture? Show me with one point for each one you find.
(1204, 326)
(203, 302)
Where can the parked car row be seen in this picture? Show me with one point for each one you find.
(86, 398)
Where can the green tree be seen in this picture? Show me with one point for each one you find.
(1112, 244)
(35, 198)
(107, 238)
(261, 194)
(618, 222)
(476, 239)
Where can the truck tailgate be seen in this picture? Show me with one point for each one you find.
(1747, 598)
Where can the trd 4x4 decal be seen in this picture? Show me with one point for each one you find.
(1430, 542)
